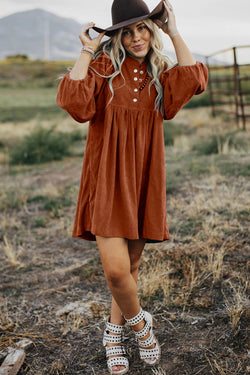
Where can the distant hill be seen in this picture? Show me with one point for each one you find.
(44, 35)
(40, 35)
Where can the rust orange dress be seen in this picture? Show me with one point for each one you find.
(123, 182)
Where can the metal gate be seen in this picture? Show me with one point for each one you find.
(229, 83)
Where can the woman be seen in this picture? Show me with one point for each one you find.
(125, 87)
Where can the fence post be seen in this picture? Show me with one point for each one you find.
(210, 87)
(236, 86)
(238, 92)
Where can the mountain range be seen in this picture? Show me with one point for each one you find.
(44, 35)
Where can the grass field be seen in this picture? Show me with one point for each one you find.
(52, 287)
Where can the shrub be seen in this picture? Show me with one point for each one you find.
(41, 222)
(172, 130)
(12, 200)
(19, 56)
(217, 144)
(77, 136)
(41, 146)
(55, 205)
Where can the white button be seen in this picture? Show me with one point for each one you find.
(134, 100)
(135, 79)
(140, 80)
(135, 90)
(135, 70)
(141, 72)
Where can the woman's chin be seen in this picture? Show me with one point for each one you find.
(140, 55)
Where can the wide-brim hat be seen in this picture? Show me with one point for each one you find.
(127, 12)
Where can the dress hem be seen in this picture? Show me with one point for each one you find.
(89, 236)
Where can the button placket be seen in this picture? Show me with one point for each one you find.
(136, 89)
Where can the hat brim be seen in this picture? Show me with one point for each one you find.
(158, 13)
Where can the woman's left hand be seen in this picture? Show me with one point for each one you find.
(168, 27)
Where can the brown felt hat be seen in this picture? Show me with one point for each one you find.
(127, 12)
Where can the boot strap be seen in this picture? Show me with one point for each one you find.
(136, 319)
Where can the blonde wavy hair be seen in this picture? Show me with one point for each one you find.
(156, 61)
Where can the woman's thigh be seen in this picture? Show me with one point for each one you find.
(120, 253)
(114, 253)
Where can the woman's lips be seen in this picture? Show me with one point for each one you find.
(140, 47)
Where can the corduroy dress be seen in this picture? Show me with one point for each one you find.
(123, 183)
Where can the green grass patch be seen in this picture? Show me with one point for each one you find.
(42, 145)
(202, 100)
(217, 143)
(233, 168)
(16, 73)
(23, 104)
(22, 114)
(172, 130)
(184, 167)
(189, 227)
(199, 166)
(55, 205)
(27, 97)
(12, 200)
(40, 222)
(91, 270)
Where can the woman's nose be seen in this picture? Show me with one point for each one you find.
(136, 35)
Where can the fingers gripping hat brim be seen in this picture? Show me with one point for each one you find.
(158, 13)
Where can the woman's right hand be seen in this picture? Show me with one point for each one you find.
(86, 39)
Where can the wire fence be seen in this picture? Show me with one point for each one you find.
(229, 83)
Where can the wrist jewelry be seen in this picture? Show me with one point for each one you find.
(89, 50)
(172, 36)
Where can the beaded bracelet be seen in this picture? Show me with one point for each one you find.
(86, 49)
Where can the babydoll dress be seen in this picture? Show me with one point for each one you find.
(123, 182)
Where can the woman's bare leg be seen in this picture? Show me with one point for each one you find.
(116, 264)
(135, 248)
(115, 252)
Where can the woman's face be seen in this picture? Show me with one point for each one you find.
(136, 40)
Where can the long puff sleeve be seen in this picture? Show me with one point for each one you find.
(180, 83)
(78, 97)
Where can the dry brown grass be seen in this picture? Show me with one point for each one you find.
(154, 279)
(6, 322)
(195, 284)
(12, 253)
(237, 303)
(159, 371)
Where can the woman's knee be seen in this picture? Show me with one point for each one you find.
(115, 258)
(117, 274)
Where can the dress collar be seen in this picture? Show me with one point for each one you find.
(135, 64)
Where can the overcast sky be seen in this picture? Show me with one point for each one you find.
(206, 25)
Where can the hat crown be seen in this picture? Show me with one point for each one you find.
(123, 10)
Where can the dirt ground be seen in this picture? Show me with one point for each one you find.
(53, 289)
